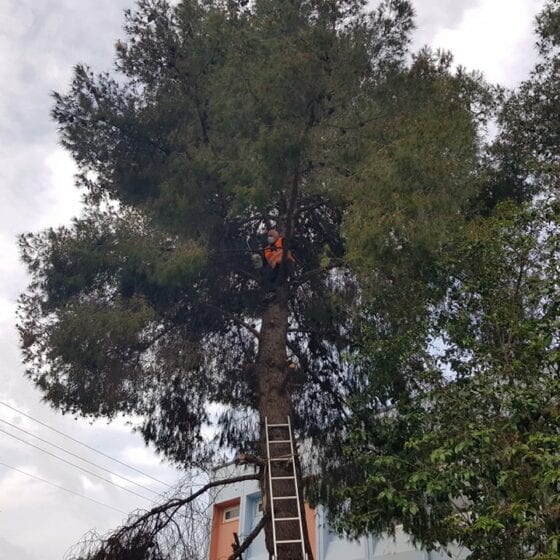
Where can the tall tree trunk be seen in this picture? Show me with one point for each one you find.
(275, 405)
(272, 371)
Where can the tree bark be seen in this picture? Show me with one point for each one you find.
(275, 405)
(272, 371)
(274, 399)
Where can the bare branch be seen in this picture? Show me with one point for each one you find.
(157, 529)
(178, 502)
(234, 318)
(250, 538)
(253, 459)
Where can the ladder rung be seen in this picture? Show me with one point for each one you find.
(281, 458)
(280, 441)
(278, 425)
(288, 542)
(285, 498)
(282, 477)
(286, 519)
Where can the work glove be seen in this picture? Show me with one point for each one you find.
(257, 261)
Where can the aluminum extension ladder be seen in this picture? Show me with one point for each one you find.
(280, 457)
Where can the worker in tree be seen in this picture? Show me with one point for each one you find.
(275, 267)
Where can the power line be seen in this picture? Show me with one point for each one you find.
(85, 445)
(62, 488)
(79, 457)
(76, 466)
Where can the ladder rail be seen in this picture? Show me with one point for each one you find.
(271, 491)
(299, 507)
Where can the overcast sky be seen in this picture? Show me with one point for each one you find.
(40, 41)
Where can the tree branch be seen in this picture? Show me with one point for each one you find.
(252, 459)
(235, 319)
(334, 263)
(176, 503)
(291, 209)
(250, 538)
(310, 207)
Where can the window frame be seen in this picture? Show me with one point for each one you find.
(258, 507)
(229, 509)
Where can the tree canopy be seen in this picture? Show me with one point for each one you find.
(465, 448)
(224, 120)
(472, 457)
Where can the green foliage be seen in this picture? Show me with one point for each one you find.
(455, 431)
(473, 457)
(223, 119)
(418, 176)
(419, 170)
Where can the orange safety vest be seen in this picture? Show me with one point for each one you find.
(274, 253)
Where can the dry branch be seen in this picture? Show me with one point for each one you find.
(155, 533)
(250, 538)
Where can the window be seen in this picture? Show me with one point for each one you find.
(259, 508)
(231, 513)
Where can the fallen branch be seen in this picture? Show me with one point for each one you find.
(250, 538)
(153, 529)
(179, 502)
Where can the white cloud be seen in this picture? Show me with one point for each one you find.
(9, 551)
(19, 490)
(140, 457)
(17, 19)
(7, 310)
(495, 36)
(9, 415)
(433, 15)
(64, 200)
(89, 487)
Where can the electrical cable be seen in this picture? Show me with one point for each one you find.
(79, 457)
(85, 444)
(77, 466)
(62, 488)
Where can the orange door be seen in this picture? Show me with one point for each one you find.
(225, 522)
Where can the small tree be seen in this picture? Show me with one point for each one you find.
(472, 457)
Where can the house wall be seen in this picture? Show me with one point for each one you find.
(326, 544)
